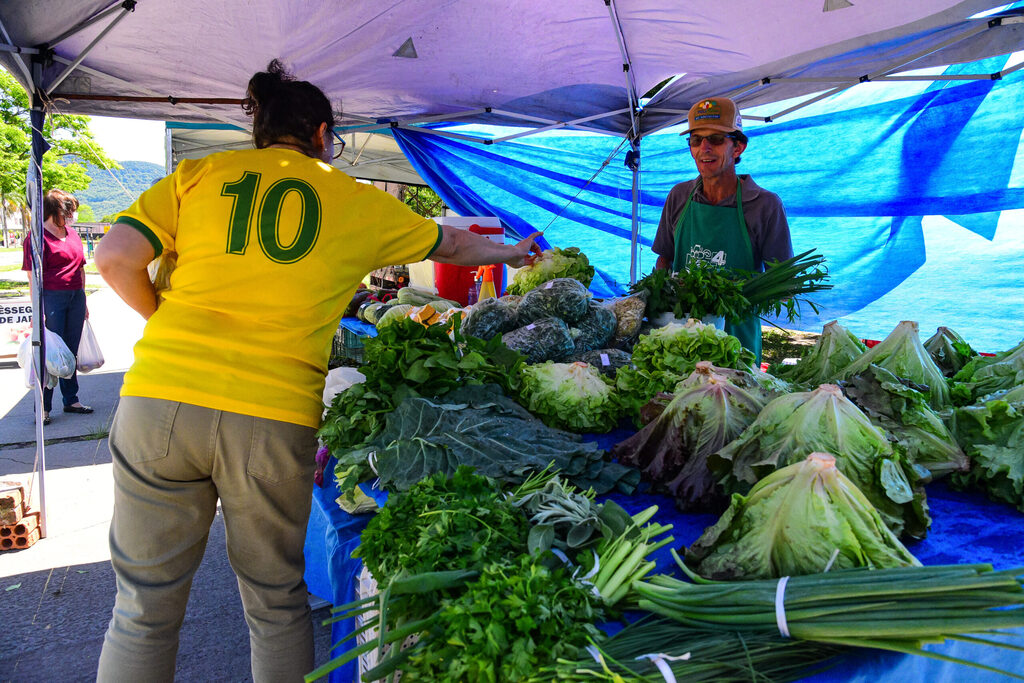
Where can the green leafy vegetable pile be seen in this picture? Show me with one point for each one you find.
(986, 375)
(573, 396)
(901, 410)
(801, 519)
(669, 354)
(407, 359)
(442, 523)
(700, 290)
(516, 617)
(992, 434)
(480, 427)
(553, 263)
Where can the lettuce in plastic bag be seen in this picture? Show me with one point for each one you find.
(553, 263)
(541, 340)
(801, 519)
(572, 396)
(793, 426)
(835, 349)
(562, 298)
(707, 411)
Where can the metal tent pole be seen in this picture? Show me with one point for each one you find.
(633, 163)
(34, 188)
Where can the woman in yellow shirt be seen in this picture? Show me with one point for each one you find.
(222, 401)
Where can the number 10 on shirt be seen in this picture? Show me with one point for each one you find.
(245, 195)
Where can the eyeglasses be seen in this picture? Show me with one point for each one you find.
(716, 139)
(339, 144)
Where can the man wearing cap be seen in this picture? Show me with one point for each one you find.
(719, 217)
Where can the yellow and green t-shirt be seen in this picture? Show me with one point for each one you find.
(271, 246)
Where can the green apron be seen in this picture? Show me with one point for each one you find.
(718, 234)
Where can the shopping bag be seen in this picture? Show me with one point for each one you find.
(90, 356)
(60, 362)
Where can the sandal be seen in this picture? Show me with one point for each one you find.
(80, 409)
(46, 419)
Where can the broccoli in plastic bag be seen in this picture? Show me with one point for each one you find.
(541, 340)
(489, 318)
(595, 329)
(562, 298)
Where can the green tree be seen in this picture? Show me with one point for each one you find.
(86, 214)
(71, 145)
(423, 200)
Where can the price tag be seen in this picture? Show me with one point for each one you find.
(550, 284)
(530, 326)
(604, 360)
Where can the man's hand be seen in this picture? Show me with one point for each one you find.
(527, 251)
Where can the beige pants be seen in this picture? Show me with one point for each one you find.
(172, 462)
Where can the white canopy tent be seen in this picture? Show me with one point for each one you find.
(367, 156)
(584, 64)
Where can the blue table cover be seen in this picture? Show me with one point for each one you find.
(966, 529)
(358, 327)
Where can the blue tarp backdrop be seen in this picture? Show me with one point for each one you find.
(913, 192)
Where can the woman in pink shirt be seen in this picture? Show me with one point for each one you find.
(64, 310)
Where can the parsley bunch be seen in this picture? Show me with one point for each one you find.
(442, 524)
(515, 618)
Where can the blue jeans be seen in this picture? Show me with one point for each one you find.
(64, 315)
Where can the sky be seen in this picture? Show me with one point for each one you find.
(130, 139)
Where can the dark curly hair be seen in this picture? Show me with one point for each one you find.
(284, 109)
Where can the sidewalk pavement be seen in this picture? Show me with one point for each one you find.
(56, 596)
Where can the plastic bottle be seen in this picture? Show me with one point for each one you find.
(487, 283)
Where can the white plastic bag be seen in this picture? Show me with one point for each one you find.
(90, 356)
(60, 362)
(340, 379)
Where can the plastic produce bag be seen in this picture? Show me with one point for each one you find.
(545, 339)
(60, 362)
(595, 329)
(562, 298)
(90, 356)
(340, 379)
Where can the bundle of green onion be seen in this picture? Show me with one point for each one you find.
(644, 650)
(899, 609)
(780, 287)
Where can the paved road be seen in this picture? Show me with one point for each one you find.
(56, 597)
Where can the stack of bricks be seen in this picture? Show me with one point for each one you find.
(19, 528)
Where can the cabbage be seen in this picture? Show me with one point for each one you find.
(899, 408)
(903, 354)
(801, 519)
(836, 348)
(949, 350)
(988, 374)
(553, 263)
(707, 411)
(793, 426)
(572, 396)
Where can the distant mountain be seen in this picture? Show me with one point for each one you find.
(105, 196)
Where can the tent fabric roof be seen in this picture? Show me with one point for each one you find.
(408, 59)
(369, 156)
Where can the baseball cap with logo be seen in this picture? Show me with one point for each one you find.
(715, 113)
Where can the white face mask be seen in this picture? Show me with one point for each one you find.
(74, 218)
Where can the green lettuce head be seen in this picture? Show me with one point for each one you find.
(572, 396)
(802, 519)
(903, 354)
(836, 348)
(552, 263)
(793, 426)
